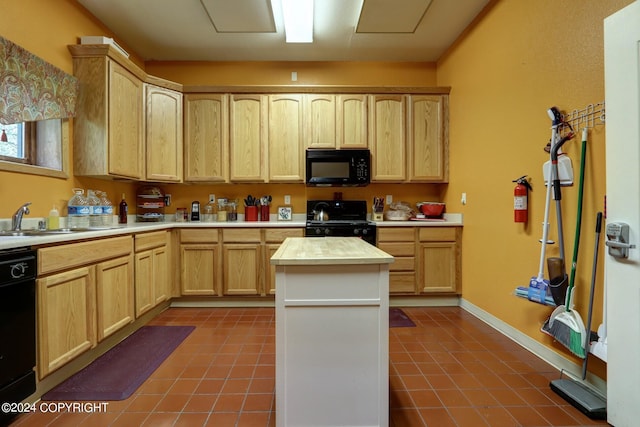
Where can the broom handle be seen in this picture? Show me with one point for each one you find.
(592, 291)
(545, 224)
(576, 244)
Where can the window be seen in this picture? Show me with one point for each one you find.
(35, 147)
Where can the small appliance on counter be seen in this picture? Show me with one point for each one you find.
(150, 204)
(195, 211)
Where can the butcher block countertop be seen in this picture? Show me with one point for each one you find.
(328, 251)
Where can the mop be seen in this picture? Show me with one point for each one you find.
(579, 395)
(538, 286)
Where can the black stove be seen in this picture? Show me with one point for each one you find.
(345, 218)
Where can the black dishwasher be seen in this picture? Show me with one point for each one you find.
(17, 325)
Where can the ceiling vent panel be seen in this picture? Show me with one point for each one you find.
(240, 16)
(397, 16)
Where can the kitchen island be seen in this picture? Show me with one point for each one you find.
(332, 342)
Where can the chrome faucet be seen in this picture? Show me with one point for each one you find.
(16, 220)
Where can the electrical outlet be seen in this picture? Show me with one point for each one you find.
(212, 198)
(389, 199)
(167, 199)
(287, 199)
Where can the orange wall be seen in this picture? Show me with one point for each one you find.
(520, 59)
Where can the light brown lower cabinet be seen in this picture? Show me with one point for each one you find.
(401, 243)
(427, 259)
(230, 261)
(153, 270)
(200, 262)
(241, 261)
(85, 294)
(66, 317)
(439, 259)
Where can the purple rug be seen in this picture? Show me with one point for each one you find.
(398, 319)
(120, 371)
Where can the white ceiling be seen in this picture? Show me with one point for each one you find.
(252, 30)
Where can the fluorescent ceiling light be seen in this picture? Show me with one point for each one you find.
(298, 20)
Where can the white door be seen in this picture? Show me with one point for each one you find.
(622, 276)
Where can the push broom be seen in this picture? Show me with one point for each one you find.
(565, 324)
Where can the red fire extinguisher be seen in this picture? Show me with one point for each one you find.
(520, 196)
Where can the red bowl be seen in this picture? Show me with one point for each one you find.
(431, 208)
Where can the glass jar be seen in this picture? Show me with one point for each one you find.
(232, 210)
(222, 210)
(209, 212)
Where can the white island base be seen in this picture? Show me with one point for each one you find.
(332, 336)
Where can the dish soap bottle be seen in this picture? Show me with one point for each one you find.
(53, 221)
(123, 211)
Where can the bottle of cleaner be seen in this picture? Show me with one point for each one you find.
(53, 221)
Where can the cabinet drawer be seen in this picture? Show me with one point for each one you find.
(396, 234)
(241, 235)
(402, 282)
(58, 258)
(146, 241)
(437, 234)
(398, 249)
(403, 264)
(199, 235)
(279, 234)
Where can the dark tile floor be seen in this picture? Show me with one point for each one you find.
(449, 370)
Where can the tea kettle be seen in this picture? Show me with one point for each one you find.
(319, 212)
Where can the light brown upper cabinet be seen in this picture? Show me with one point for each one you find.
(286, 138)
(206, 134)
(427, 134)
(163, 134)
(387, 138)
(320, 120)
(108, 127)
(247, 138)
(351, 121)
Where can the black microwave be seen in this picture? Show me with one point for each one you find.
(338, 168)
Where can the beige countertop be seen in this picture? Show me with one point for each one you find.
(298, 221)
(328, 251)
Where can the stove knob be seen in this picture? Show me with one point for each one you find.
(365, 231)
(318, 231)
(327, 231)
(356, 231)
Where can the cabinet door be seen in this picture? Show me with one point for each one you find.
(247, 138)
(144, 282)
(200, 269)
(126, 149)
(161, 275)
(439, 267)
(114, 295)
(164, 134)
(66, 317)
(351, 121)
(387, 138)
(206, 138)
(320, 121)
(241, 268)
(428, 138)
(285, 138)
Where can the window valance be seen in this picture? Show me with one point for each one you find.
(31, 89)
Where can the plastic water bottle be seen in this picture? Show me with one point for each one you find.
(78, 210)
(107, 209)
(95, 209)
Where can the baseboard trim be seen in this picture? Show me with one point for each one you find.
(571, 369)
